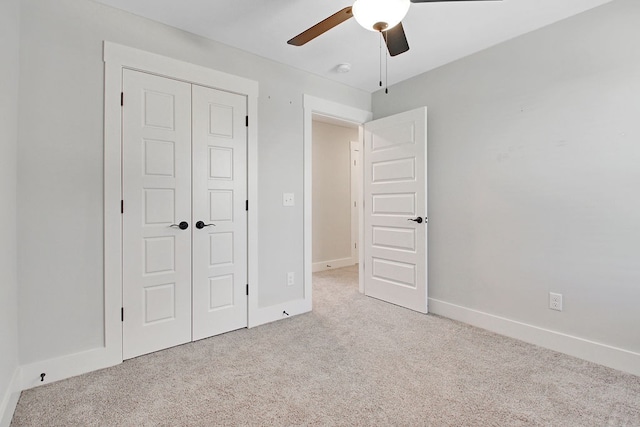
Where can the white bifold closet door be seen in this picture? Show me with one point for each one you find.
(184, 164)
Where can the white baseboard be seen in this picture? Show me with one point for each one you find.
(10, 399)
(67, 366)
(92, 360)
(277, 312)
(602, 354)
(335, 263)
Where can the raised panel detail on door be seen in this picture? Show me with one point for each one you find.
(220, 163)
(159, 254)
(220, 205)
(159, 158)
(156, 167)
(221, 120)
(221, 249)
(159, 206)
(221, 292)
(395, 191)
(219, 194)
(394, 272)
(392, 137)
(394, 171)
(398, 238)
(400, 204)
(159, 109)
(159, 303)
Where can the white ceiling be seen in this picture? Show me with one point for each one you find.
(438, 33)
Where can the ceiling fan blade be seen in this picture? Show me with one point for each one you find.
(396, 40)
(436, 1)
(321, 27)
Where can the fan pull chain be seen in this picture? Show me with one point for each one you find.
(383, 35)
(386, 72)
(386, 65)
(380, 55)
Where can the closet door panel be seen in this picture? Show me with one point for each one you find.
(156, 168)
(219, 195)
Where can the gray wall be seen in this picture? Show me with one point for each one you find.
(331, 191)
(534, 175)
(9, 67)
(60, 163)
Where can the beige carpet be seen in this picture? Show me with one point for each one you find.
(354, 361)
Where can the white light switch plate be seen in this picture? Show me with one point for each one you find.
(288, 199)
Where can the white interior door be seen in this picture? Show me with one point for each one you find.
(219, 213)
(395, 209)
(156, 167)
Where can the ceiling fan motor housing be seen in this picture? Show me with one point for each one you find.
(380, 26)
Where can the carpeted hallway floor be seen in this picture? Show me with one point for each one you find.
(353, 361)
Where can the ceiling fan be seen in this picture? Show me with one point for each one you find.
(383, 16)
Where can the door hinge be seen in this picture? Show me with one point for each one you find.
(121, 98)
(122, 206)
(246, 205)
(247, 289)
(122, 314)
(246, 121)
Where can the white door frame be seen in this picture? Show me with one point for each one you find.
(117, 58)
(339, 111)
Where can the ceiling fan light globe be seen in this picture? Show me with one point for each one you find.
(371, 13)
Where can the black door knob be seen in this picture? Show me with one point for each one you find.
(418, 220)
(200, 225)
(182, 226)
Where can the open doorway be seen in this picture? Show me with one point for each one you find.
(335, 193)
(404, 135)
(343, 113)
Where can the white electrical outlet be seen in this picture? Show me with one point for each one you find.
(288, 199)
(291, 279)
(555, 301)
